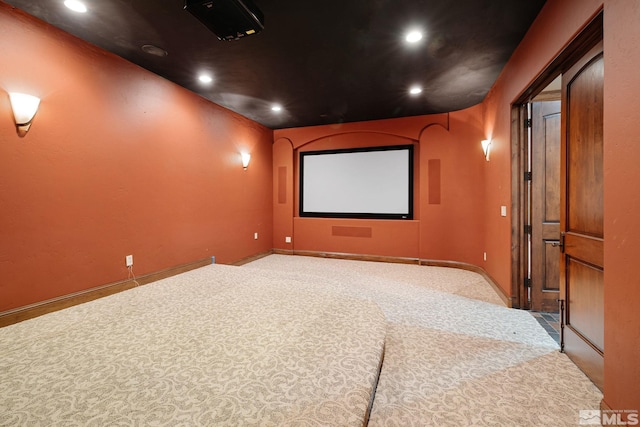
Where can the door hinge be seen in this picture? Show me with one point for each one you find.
(527, 123)
(528, 176)
(527, 229)
(527, 282)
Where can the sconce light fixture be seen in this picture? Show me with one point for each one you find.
(246, 157)
(24, 108)
(486, 148)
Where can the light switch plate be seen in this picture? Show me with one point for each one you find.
(503, 210)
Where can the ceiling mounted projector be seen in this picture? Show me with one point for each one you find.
(228, 19)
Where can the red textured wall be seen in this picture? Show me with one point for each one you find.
(453, 229)
(622, 203)
(555, 27)
(449, 230)
(118, 161)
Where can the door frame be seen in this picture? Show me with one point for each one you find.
(591, 35)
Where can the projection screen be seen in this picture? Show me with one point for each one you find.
(374, 182)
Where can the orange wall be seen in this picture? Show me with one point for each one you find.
(118, 161)
(622, 203)
(557, 24)
(449, 230)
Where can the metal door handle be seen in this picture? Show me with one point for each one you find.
(559, 242)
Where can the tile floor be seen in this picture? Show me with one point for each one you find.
(550, 322)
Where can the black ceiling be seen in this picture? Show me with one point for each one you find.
(324, 61)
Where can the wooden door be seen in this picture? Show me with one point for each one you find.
(582, 214)
(545, 205)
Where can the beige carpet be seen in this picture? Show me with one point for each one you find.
(218, 346)
(454, 355)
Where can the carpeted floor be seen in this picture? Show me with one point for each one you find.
(454, 355)
(217, 346)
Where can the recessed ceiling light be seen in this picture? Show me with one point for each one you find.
(413, 36)
(75, 5)
(205, 78)
(277, 108)
(415, 90)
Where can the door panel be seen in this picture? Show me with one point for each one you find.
(586, 298)
(584, 247)
(552, 274)
(582, 214)
(545, 205)
(584, 144)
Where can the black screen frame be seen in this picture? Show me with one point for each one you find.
(359, 215)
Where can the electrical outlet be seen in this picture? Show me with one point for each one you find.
(128, 260)
(503, 210)
(287, 239)
(255, 236)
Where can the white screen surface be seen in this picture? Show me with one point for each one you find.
(372, 183)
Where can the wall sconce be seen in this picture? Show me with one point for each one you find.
(486, 148)
(24, 109)
(246, 157)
